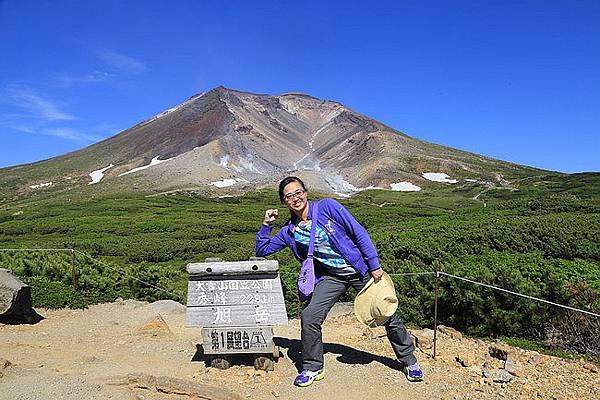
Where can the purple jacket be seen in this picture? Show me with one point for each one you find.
(350, 238)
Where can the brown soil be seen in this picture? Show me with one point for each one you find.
(91, 354)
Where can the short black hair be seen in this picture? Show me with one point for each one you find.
(284, 182)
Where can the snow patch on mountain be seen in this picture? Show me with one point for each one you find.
(438, 177)
(404, 187)
(98, 174)
(343, 188)
(41, 185)
(344, 195)
(155, 161)
(224, 183)
(339, 184)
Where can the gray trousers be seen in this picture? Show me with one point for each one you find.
(326, 294)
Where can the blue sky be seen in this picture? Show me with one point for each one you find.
(514, 80)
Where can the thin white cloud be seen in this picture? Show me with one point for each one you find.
(121, 62)
(34, 114)
(23, 128)
(36, 106)
(92, 77)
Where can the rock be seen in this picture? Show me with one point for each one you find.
(423, 342)
(499, 375)
(168, 385)
(448, 331)
(513, 368)
(15, 297)
(261, 373)
(275, 393)
(90, 359)
(155, 327)
(4, 363)
(466, 358)
(428, 333)
(487, 365)
(166, 307)
(500, 351)
(133, 304)
(537, 359)
(589, 366)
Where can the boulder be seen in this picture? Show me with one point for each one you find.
(448, 331)
(166, 307)
(15, 297)
(422, 342)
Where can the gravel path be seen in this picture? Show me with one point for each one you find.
(92, 354)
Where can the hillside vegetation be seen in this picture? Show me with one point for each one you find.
(542, 240)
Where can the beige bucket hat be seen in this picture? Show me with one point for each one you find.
(376, 302)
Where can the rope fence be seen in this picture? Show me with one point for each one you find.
(115, 269)
(518, 294)
(437, 273)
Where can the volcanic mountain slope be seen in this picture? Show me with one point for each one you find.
(227, 138)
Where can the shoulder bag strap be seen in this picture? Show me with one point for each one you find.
(313, 230)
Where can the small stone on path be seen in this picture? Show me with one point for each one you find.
(591, 367)
(513, 368)
(466, 359)
(499, 375)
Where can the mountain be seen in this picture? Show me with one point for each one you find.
(228, 140)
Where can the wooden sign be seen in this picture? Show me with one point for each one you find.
(234, 295)
(218, 267)
(237, 340)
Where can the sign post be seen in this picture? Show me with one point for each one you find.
(236, 304)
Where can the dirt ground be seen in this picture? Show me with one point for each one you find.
(135, 350)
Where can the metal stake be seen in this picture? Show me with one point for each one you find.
(435, 310)
(73, 270)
